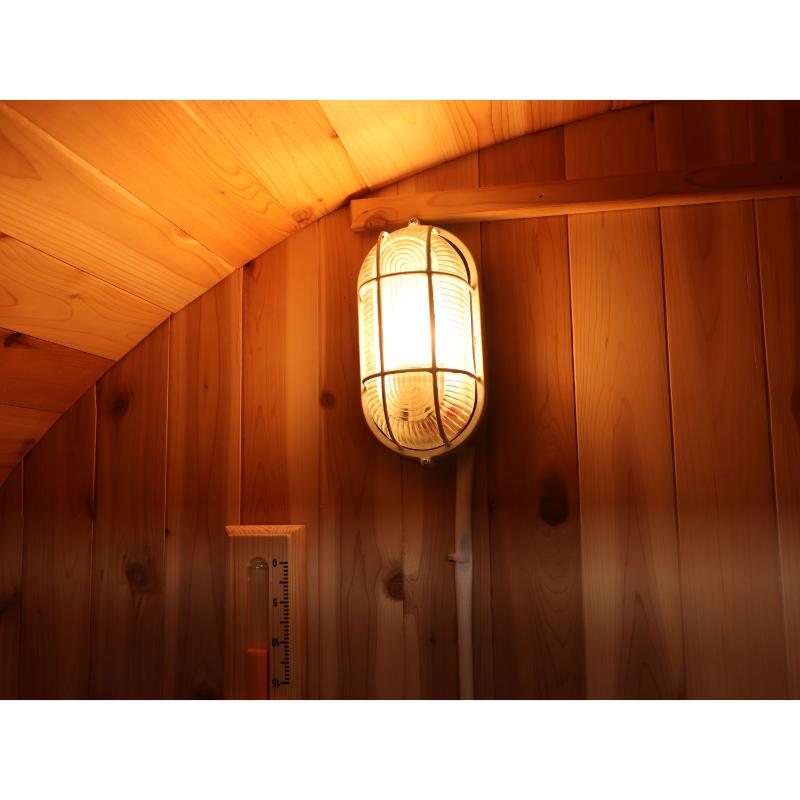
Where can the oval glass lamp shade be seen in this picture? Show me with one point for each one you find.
(419, 325)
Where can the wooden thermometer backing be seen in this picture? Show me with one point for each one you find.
(283, 548)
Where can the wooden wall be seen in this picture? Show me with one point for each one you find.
(637, 511)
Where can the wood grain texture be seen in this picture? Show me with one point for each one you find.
(482, 610)
(20, 429)
(778, 223)
(46, 298)
(390, 139)
(281, 403)
(171, 161)
(532, 456)
(775, 135)
(774, 130)
(693, 134)
(56, 202)
(631, 579)
(57, 558)
(42, 375)
(10, 580)
(733, 621)
(581, 196)
(428, 531)
(290, 147)
(730, 570)
(203, 485)
(4, 473)
(361, 618)
(128, 556)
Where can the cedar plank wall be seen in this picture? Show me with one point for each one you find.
(637, 513)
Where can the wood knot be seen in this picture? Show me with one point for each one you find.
(376, 222)
(118, 405)
(395, 587)
(554, 509)
(11, 339)
(136, 575)
(327, 399)
(303, 216)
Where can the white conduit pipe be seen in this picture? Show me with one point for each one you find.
(462, 559)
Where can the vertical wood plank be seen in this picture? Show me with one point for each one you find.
(361, 617)
(775, 135)
(774, 130)
(10, 581)
(779, 257)
(430, 637)
(203, 479)
(692, 134)
(57, 558)
(730, 571)
(631, 580)
(128, 556)
(281, 403)
(532, 456)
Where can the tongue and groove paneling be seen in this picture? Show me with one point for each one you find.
(530, 427)
(45, 297)
(775, 135)
(57, 558)
(631, 580)
(282, 404)
(166, 158)
(385, 602)
(203, 480)
(56, 202)
(23, 361)
(10, 580)
(360, 522)
(730, 561)
(128, 557)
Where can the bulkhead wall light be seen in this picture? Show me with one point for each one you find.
(422, 378)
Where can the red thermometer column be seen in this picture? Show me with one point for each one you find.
(258, 630)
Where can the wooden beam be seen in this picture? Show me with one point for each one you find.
(554, 198)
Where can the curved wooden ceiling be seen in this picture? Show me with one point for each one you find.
(115, 214)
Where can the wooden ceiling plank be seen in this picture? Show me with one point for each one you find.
(42, 375)
(58, 203)
(500, 120)
(291, 149)
(164, 156)
(391, 139)
(44, 297)
(20, 429)
(388, 140)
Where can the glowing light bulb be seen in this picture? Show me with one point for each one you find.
(422, 378)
